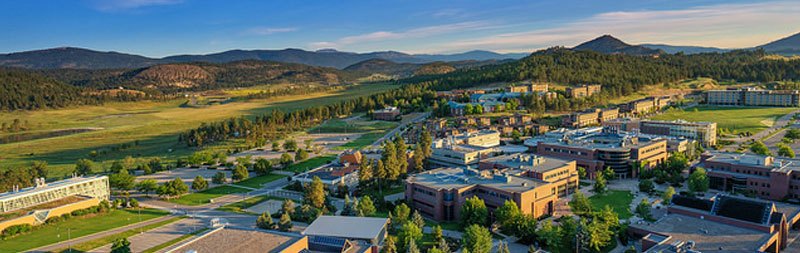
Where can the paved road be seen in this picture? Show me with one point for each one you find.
(402, 125)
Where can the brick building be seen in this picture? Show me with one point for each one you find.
(703, 132)
(764, 176)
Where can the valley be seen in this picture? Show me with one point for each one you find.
(142, 129)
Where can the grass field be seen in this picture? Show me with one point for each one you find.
(620, 201)
(362, 141)
(736, 119)
(148, 129)
(97, 243)
(256, 182)
(310, 163)
(203, 197)
(49, 234)
(353, 126)
(239, 207)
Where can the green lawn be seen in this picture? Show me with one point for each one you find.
(256, 182)
(93, 244)
(362, 141)
(353, 126)
(147, 128)
(204, 197)
(239, 207)
(620, 201)
(736, 119)
(53, 233)
(310, 163)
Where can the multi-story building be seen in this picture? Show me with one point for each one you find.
(583, 90)
(92, 187)
(703, 132)
(446, 152)
(563, 174)
(720, 224)
(595, 150)
(460, 109)
(440, 193)
(388, 113)
(332, 175)
(534, 87)
(645, 105)
(763, 176)
(482, 138)
(753, 97)
(591, 117)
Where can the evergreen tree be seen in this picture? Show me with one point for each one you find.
(599, 183)
(199, 183)
(121, 245)
(401, 214)
(240, 173)
(366, 207)
(288, 207)
(580, 204)
(262, 166)
(285, 224)
(84, 167)
(219, 178)
(400, 154)
(315, 193)
(417, 219)
(264, 221)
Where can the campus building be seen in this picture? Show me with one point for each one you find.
(445, 152)
(440, 193)
(645, 105)
(460, 109)
(562, 174)
(534, 87)
(92, 187)
(583, 90)
(591, 117)
(389, 113)
(720, 224)
(595, 150)
(482, 138)
(753, 97)
(332, 175)
(369, 230)
(703, 132)
(246, 240)
(764, 176)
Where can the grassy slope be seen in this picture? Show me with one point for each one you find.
(49, 234)
(155, 125)
(256, 182)
(738, 119)
(311, 163)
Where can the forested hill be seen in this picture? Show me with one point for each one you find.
(621, 74)
(25, 90)
(168, 78)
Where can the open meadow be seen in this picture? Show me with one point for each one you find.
(735, 119)
(139, 129)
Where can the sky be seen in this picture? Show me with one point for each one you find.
(158, 28)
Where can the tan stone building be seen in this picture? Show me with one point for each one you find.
(583, 90)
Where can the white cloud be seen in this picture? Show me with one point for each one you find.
(727, 26)
(421, 32)
(270, 30)
(114, 5)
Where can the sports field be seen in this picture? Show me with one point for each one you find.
(736, 119)
(140, 129)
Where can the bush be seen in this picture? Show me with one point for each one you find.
(16, 230)
(55, 219)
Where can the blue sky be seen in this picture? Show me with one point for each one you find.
(165, 27)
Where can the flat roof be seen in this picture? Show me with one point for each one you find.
(239, 240)
(754, 160)
(709, 236)
(529, 162)
(456, 178)
(48, 187)
(367, 228)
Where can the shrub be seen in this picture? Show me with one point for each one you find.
(16, 230)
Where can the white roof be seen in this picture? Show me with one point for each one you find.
(347, 227)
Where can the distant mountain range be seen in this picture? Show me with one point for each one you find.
(607, 44)
(79, 58)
